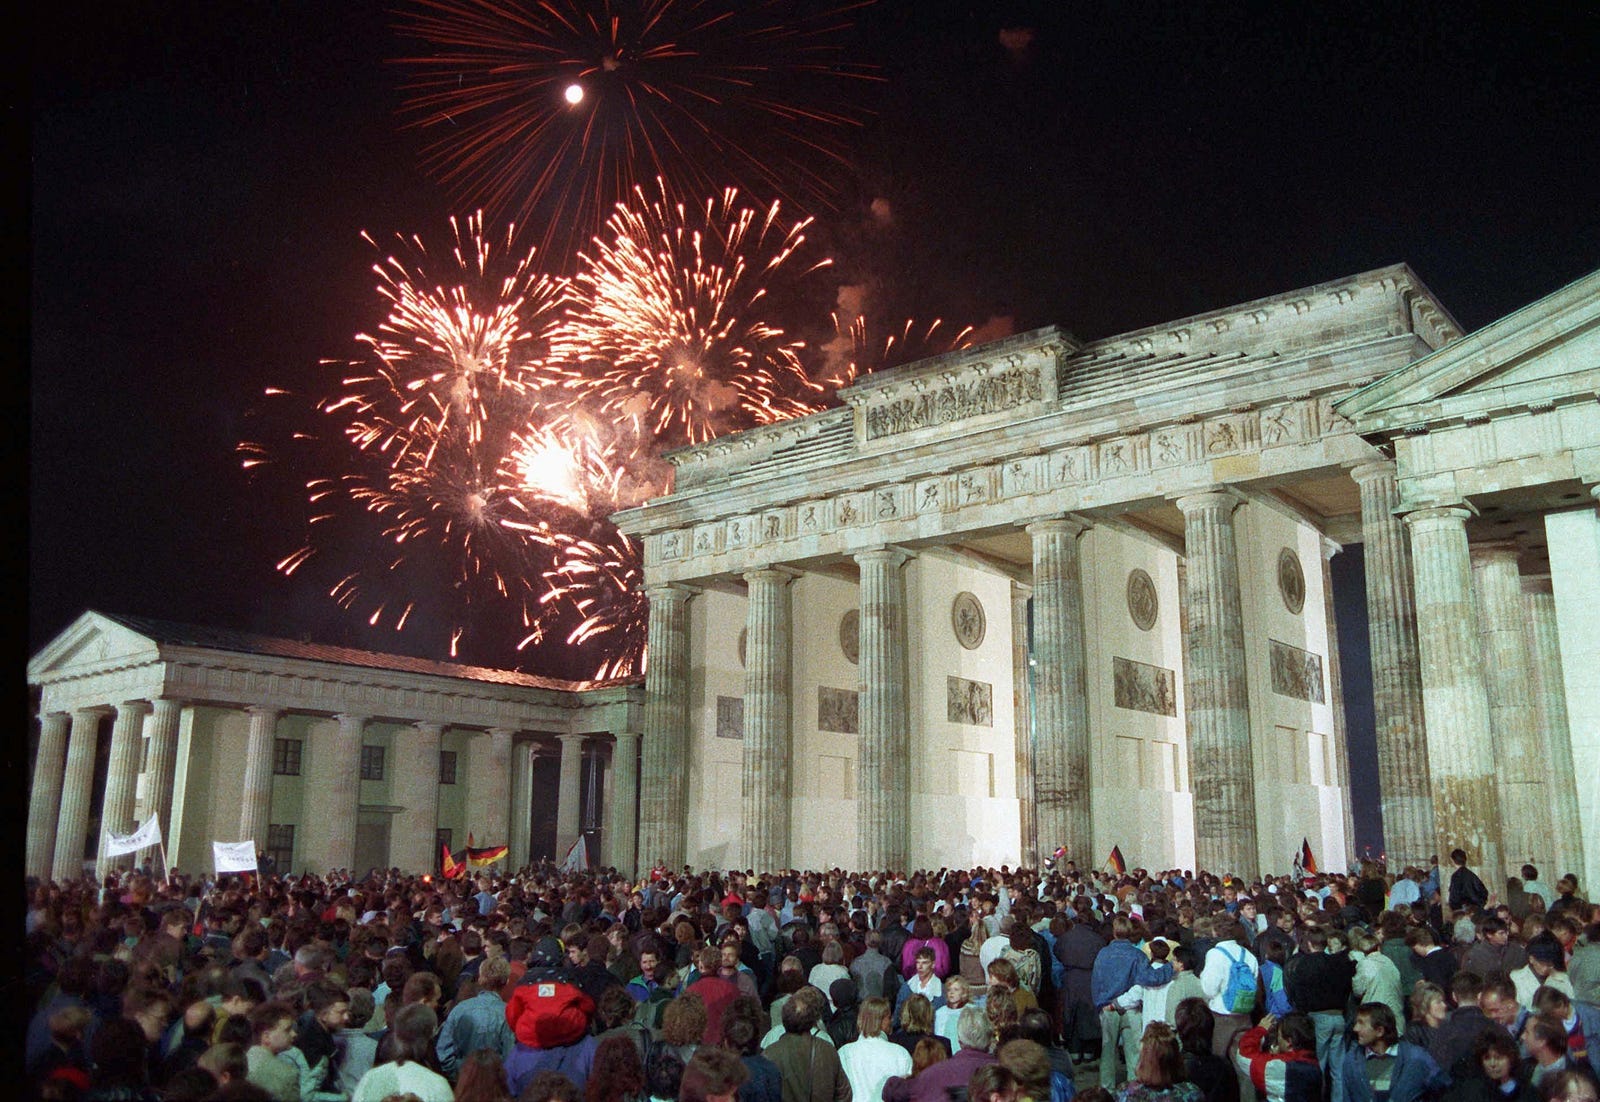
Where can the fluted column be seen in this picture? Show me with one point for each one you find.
(255, 802)
(521, 841)
(72, 824)
(1022, 730)
(1061, 782)
(664, 791)
(416, 788)
(341, 790)
(622, 826)
(1216, 691)
(493, 811)
(569, 795)
(884, 772)
(162, 764)
(1520, 752)
(1341, 752)
(1544, 648)
(1404, 789)
(764, 782)
(44, 802)
(122, 778)
(1455, 698)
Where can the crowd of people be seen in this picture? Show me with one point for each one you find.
(988, 985)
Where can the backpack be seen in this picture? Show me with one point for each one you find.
(651, 1009)
(1239, 996)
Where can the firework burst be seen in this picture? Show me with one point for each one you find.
(669, 328)
(856, 351)
(552, 111)
(601, 580)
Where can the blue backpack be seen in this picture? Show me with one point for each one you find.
(1240, 994)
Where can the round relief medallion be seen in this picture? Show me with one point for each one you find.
(850, 636)
(1143, 604)
(1291, 580)
(744, 639)
(966, 617)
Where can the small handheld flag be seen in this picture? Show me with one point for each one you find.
(1307, 863)
(450, 868)
(1115, 861)
(1061, 851)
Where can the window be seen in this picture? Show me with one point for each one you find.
(447, 767)
(280, 837)
(372, 763)
(286, 757)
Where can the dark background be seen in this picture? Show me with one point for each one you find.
(200, 174)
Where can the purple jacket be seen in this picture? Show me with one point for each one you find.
(936, 1079)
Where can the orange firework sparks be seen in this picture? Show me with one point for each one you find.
(552, 111)
(856, 351)
(669, 326)
(602, 579)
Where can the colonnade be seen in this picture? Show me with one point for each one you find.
(500, 804)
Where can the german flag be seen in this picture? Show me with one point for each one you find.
(451, 868)
(1306, 863)
(479, 857)
(1115, 861)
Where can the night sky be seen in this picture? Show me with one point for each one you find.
(200, 175)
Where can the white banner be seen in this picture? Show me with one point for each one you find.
(577, 858)
(147, 835)
(233, 856)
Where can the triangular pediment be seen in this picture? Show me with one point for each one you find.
(93, 641)
(1545, 353)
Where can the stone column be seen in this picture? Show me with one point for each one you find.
(521, 841)
(569, 795)
(883, 774)
(1061, 781)
(342, 790)
(255, 803)
(44, 802)
(493, 811)
(764, 783)
(1520, 750)
(1022, 709)
(163, 762)
(1455, 699)
(1407, 802)
(72, 824)
(1341, 751)
(412, 847)
(1544, 647)
(122, 777)
(1216, 692)
(623, 824)
(664, 791)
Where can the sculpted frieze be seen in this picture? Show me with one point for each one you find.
(929, 496)
(1071, 465)
(956, 400)
(1020, 477)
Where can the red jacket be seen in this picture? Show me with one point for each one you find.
(548, 1014)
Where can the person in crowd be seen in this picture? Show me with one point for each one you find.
(1496, 1074)
(478, 1022)
(272, 1026)
(1195, 1026)
(1380, 1067)
(809, 1066)
(1279, 1057)
(743, 1024)
(871, 1059)
(1546, 967)
(916, 1023)
(1159, 1074)
(933, 1082)
(1229, 980)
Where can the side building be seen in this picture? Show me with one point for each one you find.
(326, 757)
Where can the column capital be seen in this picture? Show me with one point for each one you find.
(1217, 498)
(1438, 515)
(92, 711)
(1373, 470)
(1330, 547)
(671, 592)
(621, 736)
(1020, 591)
(890, 556)
(350, 719)
(270, 711)
(56, 715)
(1068, 525)
(567, 738)
(782, 575)
(429, 726)
(139, 706)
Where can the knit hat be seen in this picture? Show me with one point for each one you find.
(547, 953)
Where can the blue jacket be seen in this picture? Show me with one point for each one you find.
(1121, 965)
(1415, 1075)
